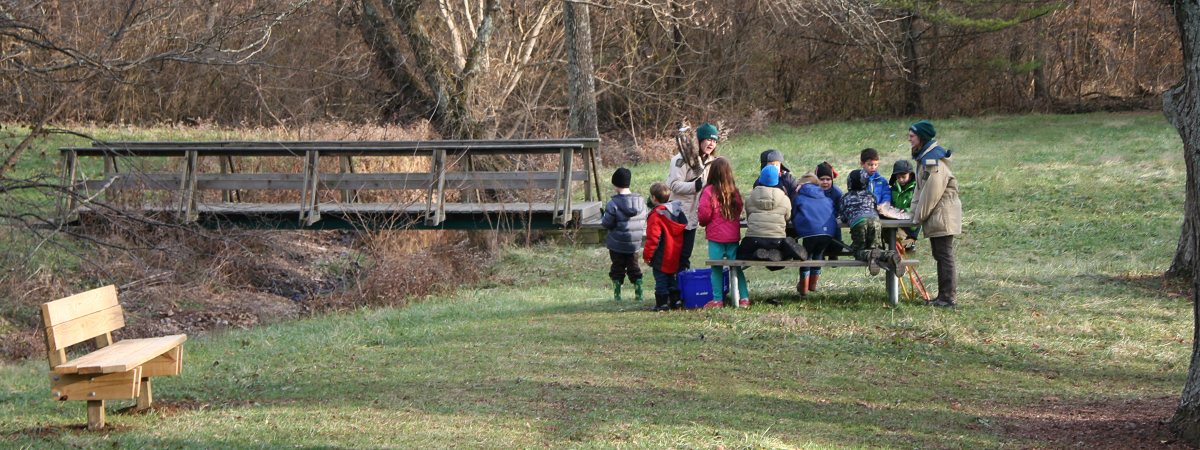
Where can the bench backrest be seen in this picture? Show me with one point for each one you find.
(89, 315)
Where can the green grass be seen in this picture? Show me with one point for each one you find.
(1063, 215)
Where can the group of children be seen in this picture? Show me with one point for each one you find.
(786, 219)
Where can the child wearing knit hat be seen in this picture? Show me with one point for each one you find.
(625, 218)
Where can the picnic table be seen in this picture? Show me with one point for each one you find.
(890, 279)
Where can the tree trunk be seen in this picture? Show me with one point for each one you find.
(1040, 91)
(912, 65)
(1181, 105)
(581, 84)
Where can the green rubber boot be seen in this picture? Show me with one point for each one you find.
(616, 290)
(637, 290)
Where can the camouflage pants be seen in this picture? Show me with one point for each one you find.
(867, 235)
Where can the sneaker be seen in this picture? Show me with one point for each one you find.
(763, 254)
(745, 302)
(873, 261)
(943, 303)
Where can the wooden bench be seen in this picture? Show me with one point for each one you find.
(889, 238)
(120, 370)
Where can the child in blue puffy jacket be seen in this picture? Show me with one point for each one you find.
(625, 218)
(815, 222)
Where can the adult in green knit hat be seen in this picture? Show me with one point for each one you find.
(936, 207)
(707, 131)
(924, 130)
(686, 183)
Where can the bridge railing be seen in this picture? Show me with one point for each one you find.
(435, 182)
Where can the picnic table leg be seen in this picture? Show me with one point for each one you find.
(893, 282)
(734, 295)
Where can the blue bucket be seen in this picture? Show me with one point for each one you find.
(695, 286)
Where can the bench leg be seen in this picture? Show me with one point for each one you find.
(893, 282)
(145, 397)
(95, 413)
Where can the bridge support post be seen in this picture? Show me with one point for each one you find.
(309, 212)
(562, 191)
(437, 190)
(187, 185)
(348, 195)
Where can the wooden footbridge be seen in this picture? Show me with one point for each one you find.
(345, 211)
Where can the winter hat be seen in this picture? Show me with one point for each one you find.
(770, 156)
(707, 131)
(621, 178)
(857, 180)
(808, 178)
(769, 176)
(901, 166)
(826, 170)
(924, 130)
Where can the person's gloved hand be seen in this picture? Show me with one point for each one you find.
(699, 184)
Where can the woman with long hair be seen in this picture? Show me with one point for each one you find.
(720, 213)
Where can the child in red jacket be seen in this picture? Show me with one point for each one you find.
(664, 243)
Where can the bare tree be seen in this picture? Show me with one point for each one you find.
(1181, 105)
(445, 61)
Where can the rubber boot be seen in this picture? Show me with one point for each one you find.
(802, 286)
(616, 290)
(812, 283)
(637, 290)
(660, 303)
(676, 300)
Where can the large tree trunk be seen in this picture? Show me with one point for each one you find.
(581, 84)
(1181, 105)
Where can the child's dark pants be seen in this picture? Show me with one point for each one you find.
(622, 264)
(816, 247)
(665, 283)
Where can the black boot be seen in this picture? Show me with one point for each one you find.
(660, 303)
(797, 248)
(892, 262)
(676, 300)
(764, 254)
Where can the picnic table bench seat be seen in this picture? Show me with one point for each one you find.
(120, 370)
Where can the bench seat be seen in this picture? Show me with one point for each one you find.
(121, 356)
(794, 263)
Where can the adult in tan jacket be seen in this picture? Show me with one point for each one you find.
(936, 207)
(686, 184)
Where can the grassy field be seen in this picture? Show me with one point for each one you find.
(1067, 221)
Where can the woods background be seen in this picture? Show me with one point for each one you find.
(276, 62)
